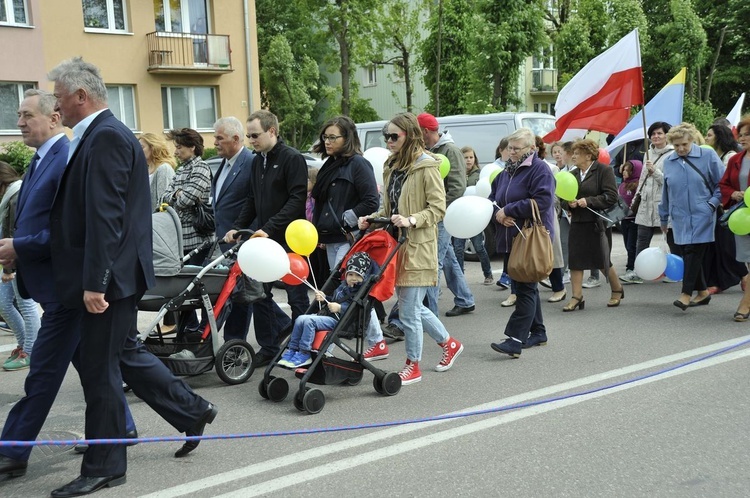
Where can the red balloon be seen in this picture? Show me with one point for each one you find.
(298, 267)
(603, 156)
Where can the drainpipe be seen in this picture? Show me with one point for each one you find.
(248, 61)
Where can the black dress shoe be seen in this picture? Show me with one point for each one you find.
(83, 485)
(81, 448)
(261, 360)
(458, 310)
(197, 430)
(11, 467)
(681, 305)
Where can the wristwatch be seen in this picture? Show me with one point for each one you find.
(412, 221)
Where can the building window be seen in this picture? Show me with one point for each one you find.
(13, 12)
(122, 104)
(105, 15)
(189, 107)
(181, 16)
(11, 95)
(372, 75)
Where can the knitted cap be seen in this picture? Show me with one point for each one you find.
(427, 121)
(359, 263)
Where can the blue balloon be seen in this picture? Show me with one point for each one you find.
(675, 267)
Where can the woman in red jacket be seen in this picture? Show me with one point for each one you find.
(733, 184)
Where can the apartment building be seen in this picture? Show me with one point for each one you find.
(166, 63)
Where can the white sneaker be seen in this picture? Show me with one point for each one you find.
(631, 277)
(591, 282)
(566, 277)
(668, 280)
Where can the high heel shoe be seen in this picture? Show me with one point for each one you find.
(741, 317)
(613, 303)
(571, 306)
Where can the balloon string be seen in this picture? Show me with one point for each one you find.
(494, 203)
(303, 281)
(309, 265)
(599, 215)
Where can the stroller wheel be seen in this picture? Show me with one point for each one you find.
(263, 387)
(234, 361)
(314, 401)
(377, 383)
(391, 384)
(353, 381)
(298, 401)
(277, 389)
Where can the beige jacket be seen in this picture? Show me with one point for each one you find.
(422, 196)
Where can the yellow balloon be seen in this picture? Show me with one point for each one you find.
(302, 237)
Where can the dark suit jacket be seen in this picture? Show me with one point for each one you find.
(228, 203)
(31, 238)
(599, 187)
(101, 217)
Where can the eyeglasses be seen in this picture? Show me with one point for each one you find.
(392, 137)
(516, 149)
(330, 138)
(254, 136)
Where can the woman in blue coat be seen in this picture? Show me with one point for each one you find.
(689, 200)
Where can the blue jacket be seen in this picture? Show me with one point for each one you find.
(229, 202)
(686, 199)
(532, 180)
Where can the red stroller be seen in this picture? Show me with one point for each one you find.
(326, 369)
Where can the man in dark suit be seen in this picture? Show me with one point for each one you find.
(29, 254)
(100, 235)
(229, 190)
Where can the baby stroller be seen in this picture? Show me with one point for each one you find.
(187, 288)
(327, 369)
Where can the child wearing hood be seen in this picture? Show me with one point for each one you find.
(631, 174)
(297, 354)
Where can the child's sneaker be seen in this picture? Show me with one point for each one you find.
(301, 359)
(451, 349)
(19, 363)
(410, 373)
(378, 351)
(286, 358)
(504, 281)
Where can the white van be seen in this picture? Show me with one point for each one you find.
(482, 132)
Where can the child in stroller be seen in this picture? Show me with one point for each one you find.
(358, 267)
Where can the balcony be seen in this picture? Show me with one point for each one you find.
(543, 81)
(193, 53)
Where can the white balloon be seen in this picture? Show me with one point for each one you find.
(650, 263)
(470, 191)
(488, 169)
(263, 259)
(483, 187)
(377, 157)
(468, 216)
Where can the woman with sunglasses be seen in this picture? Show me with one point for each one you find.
(414, 200)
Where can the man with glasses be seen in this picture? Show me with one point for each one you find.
(455, 185)
(276, 198)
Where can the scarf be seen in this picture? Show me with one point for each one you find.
(326, 175)
(511, 166)
(395, 185)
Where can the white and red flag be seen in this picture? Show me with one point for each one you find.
(735, 114)
(600, 95)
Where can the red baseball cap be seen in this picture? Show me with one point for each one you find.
(428, 121)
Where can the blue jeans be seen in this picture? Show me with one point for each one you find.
(336, 252)
(416, 319)
(630, 238)
(23, 321)
(478, 242)
(304, 330)
(271, 321)
(454, 277)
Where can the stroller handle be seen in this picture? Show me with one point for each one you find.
(379, 220)
(245, 234)
(387, 221)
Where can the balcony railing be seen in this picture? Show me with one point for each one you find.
(188, 52)
(543, 80)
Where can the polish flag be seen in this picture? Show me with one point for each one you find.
(735, 114)
(600, 95)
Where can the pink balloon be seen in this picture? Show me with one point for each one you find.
(604, 156)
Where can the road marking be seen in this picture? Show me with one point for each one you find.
(369, 439)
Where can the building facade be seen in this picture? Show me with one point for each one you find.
(166, 63)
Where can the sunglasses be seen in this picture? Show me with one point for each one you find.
(254, 136)
(392, 137)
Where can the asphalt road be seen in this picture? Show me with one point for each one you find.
(621, 402)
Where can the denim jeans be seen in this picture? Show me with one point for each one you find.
(478, 242)
(270, 321)
(24, 321)
(336, 252)
(454, 277)
(527, 315)
(304, 330)
(416, 319)
(630, 238)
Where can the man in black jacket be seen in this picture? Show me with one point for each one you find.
(277, 197)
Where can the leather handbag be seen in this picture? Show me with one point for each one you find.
(614, 214)
(530, 257)
(724, 218)
(203, 219)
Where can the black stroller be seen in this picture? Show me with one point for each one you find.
(187, 288)
(326, 369)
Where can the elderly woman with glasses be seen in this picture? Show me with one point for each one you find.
(733, 185)
(414, 199)
(689, 201)
(526, 177)
(589, 241)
